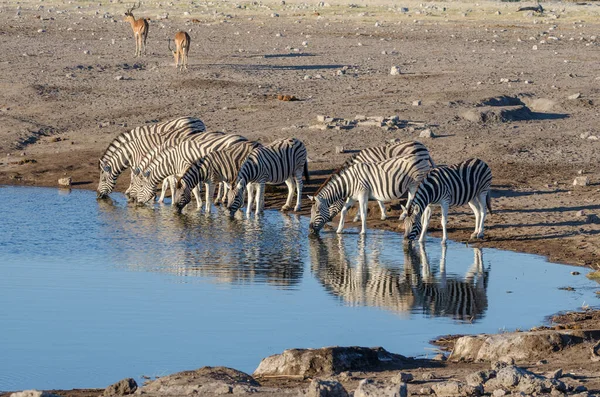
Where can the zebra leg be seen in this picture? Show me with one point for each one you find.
(363, 200)
(163, 190)
(210, 191)
(482, 213)
(290, 185)
(260, 198)
(474, 204)
(357, 216)
(382, 209)
(198, 194)
(425, 218)
(250, 188)
(299, 187)
(218, 199)
(343, 213)
(444, 206)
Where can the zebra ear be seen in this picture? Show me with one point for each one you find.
(311, 198)
(105, 167)
(146, 174)
(136, 171)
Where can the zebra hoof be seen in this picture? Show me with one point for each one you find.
(297, 208)
(356, 218)
(285, 208)
(383, 218)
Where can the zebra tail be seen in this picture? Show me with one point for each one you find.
(488, 202)
(306, 175)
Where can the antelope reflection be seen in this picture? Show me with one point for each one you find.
(401, 289)
(244, 251)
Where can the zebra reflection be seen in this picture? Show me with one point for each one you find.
(414, 287)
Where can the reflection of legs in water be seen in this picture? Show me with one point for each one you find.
(475, 274)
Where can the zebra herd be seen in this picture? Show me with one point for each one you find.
(182, 155)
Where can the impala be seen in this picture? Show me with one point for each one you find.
(140, 30)
(182, 48)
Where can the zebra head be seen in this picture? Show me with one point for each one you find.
(182, 195)
(319, 214)
(235, 197)
(146, 191)
(107, 180)
(134, 187)
(412, 222)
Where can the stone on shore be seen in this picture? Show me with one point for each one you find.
(65, 182)
(121, 388)
(326, 388)
(33, 393)
(370, 388)
(329, 360)
(205, 381)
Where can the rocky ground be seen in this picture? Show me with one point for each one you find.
(516, 89)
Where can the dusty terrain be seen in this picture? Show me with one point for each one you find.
(70, 84)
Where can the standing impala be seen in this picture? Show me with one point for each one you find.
(140, 30)
(182, 48)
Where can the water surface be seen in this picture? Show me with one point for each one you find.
(92, 292)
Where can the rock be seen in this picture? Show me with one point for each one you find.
(499, 393)
(86, 52)
(416, 103)
(581, 181)
(439, 356)
(369, 388)
(119, 78)
(596, 352)
(33, 393)
(425, 390)
(326, 388)
(395, 70)
(121, 388)
(339, 149)
(428, 376)
(542, 105)
(490, 114)
(201, 382)
(503, 100)
(453, 388)
(575, 96)
(329, 360)
(403, 377)
(518, 346)
(65, 182)
(520, 380)
(426, 134)
(479, 377)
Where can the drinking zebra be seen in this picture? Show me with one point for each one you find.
(283, 160)
(129, 146)
(454, 185)
(177, 159)
(380, 153)
(384, 180)
(218, 166)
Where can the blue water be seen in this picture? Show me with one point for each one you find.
(92, 292)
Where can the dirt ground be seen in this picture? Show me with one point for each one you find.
(69, 84)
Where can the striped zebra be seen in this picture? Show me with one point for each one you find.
(177, 159)
(454, 185)
(122, 151)
(384, 180)
(218, 166)
(283, 160)
(380, 153)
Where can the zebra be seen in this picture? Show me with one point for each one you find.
(118, 156)
(458, 184)
(384, 180)
(221, 165)
(380, 153)
(177, 159)
(283, 160)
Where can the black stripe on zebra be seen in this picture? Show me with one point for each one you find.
(468, 182)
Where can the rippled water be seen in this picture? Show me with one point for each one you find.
(92, 292)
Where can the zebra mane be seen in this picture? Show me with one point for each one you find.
(334, 173)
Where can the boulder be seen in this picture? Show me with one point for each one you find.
(326, 388)
(520, 380)
(65, 182)
(494, 114)
(456, 389)
(518, 346)
(121, 388)
(329, 360)
(503, 100)
(371, 388)
(205, 381)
